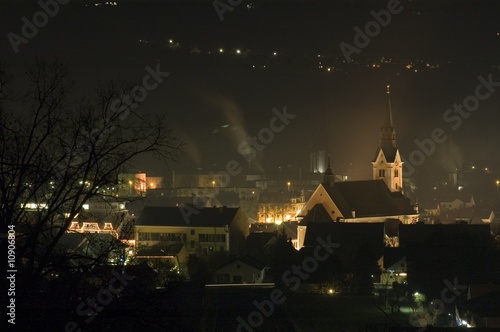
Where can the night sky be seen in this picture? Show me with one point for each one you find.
(214, 100)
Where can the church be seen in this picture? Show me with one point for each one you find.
(379, 200)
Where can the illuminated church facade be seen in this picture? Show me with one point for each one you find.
(387, 164)
(379, 200)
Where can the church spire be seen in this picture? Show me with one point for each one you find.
(388, 109)
(388, 132)
(387, 164)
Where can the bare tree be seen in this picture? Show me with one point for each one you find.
(57, 153)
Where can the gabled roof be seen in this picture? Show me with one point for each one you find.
(186, 216)
(258, 240)
(368, 198)
(255, 263)
(87, 244)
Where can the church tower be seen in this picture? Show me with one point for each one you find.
(387, 164)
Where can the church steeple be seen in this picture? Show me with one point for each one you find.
(387, 131)
(387, 164)
(328, 176)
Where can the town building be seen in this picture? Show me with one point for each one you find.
(200, 230)
(366, 201)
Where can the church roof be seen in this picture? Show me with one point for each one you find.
(317, 214)
(368, 198)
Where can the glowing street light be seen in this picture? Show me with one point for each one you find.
(213, 184)
(288, 184)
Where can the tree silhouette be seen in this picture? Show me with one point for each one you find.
(56, 154)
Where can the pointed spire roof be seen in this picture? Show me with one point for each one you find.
(388, 109)
(388, 143)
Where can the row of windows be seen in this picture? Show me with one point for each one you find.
(212, 237)
(180, 237)
(175, 237)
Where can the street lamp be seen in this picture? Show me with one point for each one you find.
(213, 184)
(498, 182)
(288, 184)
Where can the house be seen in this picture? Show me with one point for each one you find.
(280, 206)
(241, 270)
(82, 248)
(455, 210)
(175, 254)
(103, 217)
(201, 230)
(263, 236)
